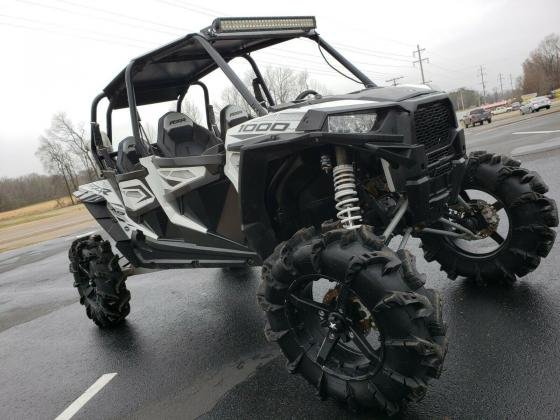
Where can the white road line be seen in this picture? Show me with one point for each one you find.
(537, 132)
(86, 396)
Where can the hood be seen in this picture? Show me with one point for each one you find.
(377, 94)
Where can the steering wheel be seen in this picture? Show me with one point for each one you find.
(306, 93)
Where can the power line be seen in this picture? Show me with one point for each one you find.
(65, 34)
(192, 8)
(511, 83)
(394, 80)
(103, 36)
(420, 60)
(369, 51)
(122, 15)
(89, 16)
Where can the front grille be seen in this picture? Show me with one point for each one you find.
(433, 123)
(438, 154)
(440, 170)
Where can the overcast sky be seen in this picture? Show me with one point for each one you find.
(56, 55)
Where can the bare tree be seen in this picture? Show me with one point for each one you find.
(190, 109)
(74, 139)
(57, 161)
(284, 85)
(230, 96)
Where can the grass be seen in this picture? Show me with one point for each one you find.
(37, 211)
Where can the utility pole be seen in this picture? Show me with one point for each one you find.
(511, 84)
(482, 74)
(394, 80)
(462, 102)
(420, 61)
(501, 85)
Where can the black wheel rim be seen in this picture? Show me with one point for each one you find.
(335, 333)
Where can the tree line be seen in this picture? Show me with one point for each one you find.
(541, 70)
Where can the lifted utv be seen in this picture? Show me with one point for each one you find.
(313, 191)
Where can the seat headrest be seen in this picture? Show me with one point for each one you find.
(176, 124)
(230, 116)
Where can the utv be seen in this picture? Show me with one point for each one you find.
(318, 192)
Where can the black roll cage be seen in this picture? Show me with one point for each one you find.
(204, 40)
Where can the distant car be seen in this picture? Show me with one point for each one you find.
(515, 106)
(525, 108)
(477, 116)
(539, 103)
(535, 105)
(499, 110)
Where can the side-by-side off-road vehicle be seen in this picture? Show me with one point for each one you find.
(324, 192)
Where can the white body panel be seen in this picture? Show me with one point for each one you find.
(99, 191)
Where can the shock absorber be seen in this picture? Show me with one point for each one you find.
(345, 194)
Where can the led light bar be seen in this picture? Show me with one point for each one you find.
(251, 24)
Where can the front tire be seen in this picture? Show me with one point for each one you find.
(99, 280)
(531, 215)
(346, 365)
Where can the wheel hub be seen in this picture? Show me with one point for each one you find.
(337, 323)
(481, 218)
(354, 313)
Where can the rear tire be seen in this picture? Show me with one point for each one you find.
(99, 280)
(531, 216)
(408, 316)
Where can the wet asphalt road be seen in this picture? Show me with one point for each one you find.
(193, 343)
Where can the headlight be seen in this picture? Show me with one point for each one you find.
(353, 123)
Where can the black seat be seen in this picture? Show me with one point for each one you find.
(127, 157)
(178, 136)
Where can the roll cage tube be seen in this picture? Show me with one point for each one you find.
(206, 101)
(262, 83)
(109, 121)
(93, 118)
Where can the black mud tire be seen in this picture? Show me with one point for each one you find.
(408, 316)
(531, 216)
(99, 280)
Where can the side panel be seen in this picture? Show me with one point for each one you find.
(102, 193)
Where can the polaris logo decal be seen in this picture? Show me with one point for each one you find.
(177, 121)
